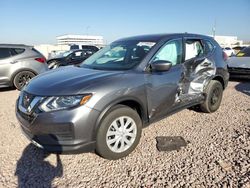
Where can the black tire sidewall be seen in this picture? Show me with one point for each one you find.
(101, 145)
(208, 107)
(15, 81)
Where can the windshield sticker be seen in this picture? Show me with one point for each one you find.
(149, 44)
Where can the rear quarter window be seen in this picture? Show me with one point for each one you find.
(16, 51)
(39, 53)
(209, 47)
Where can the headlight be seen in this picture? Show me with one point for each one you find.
(63, 102)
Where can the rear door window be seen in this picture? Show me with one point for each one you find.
(4, 53)
(193, 49)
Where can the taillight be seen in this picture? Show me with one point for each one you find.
(225, 56)
(41, 60)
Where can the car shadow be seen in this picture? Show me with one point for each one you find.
(33, 170)
(243, 87)
(7, 89)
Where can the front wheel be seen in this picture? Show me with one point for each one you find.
(119, 133)
(214, 92)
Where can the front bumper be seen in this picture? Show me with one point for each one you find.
(239, 72)
(65, 131)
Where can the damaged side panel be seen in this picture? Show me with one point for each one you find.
(184, 84)
(196, 75)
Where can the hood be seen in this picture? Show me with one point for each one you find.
(69, 80)
(239, 62)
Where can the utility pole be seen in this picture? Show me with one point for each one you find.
(214, 28)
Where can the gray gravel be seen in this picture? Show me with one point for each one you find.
(218, 154)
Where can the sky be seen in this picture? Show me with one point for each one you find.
(40, 21)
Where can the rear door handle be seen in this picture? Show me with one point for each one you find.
(13, 62)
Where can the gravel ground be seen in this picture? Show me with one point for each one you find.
(218, 153)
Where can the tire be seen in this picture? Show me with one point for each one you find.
(22, 78)
(214, 92)
(121, 142)
(53, 64)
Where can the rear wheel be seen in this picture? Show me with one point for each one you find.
(22, 78)
(119, 133)
(214, 92)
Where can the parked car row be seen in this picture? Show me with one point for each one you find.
(20, 63)
(72, 57)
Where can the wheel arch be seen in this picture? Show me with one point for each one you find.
(219, 79)
(130, 102)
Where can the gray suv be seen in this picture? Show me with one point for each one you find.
(19, 64)
(104, 103)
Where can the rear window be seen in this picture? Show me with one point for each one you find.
(4, 53)
(74, 47)
(92, 48)
(35, 50)
(244, 53)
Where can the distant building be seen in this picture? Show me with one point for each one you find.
(80, 39)
(228, 41)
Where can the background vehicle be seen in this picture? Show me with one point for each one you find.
(72, 57)
(19, 64)
(239, 65)
(238, 48)
(104, 103)
(84, 47)
(229, 51)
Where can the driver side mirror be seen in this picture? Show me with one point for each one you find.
(161, 66)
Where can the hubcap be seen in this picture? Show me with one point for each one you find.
(121, 134)
(215, 96)
(24, 79)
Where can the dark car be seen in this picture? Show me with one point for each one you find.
(104, 103)
(239, 65)
(72, 57)
(84, 47)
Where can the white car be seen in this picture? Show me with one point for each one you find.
(229, 51)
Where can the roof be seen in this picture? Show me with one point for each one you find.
(158, 37)
(69, 36)
(14, 45)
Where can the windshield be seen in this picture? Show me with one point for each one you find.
(245, 52)
(64, 54)
(119, 56)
